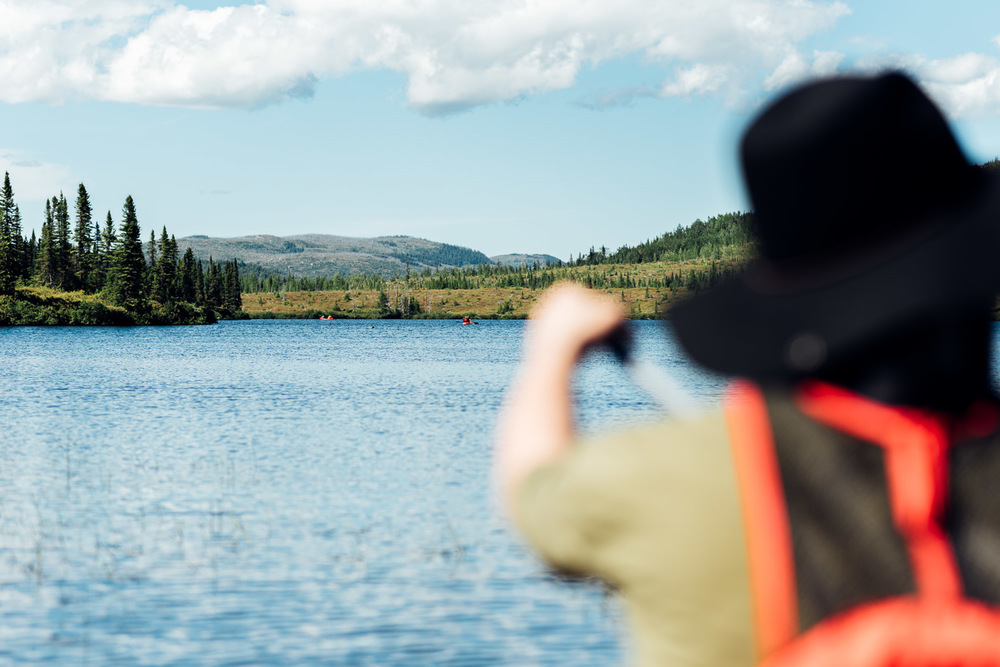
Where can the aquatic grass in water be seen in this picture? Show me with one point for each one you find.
(281, 492)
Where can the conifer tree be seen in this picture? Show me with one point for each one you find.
(232, 298)
(8, 259)
(199, 285)
(108, 237)
(83, 259)
(104, 242)
(6, 199)
(187, 271)
(127, 275)
(383, 303)
(165, 280)
(30, 253)
(45, 263)
(19, 245)
(213, 285)
(151, 248)
(61, 271)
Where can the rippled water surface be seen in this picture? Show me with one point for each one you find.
(281, 492)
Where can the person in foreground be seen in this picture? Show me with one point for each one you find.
(839, 508)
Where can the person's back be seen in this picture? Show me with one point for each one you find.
(840, 505)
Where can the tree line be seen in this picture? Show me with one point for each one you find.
(76, 253)
(714, 249)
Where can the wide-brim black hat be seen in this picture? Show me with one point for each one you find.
(868, 217)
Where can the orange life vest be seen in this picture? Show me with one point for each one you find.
(873, 532)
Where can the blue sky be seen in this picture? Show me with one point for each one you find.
(503, 125)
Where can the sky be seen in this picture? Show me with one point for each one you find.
(540, 126)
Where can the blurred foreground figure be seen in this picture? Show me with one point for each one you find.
(841, 508)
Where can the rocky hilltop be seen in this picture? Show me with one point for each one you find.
(312, 255)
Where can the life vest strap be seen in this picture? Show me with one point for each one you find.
(768, 534)
(900, 632)
(916, 446)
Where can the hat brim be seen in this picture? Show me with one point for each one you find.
(739, 328)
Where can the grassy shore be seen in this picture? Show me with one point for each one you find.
(487, 300)
(481, 303)
(44, 306)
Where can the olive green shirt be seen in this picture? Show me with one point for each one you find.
(655, 512)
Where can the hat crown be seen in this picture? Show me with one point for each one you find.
(848, 161)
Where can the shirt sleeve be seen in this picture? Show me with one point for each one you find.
(638, 494)
(654, 510)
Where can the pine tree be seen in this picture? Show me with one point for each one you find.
(108, 237)
(232, 298)
(199, 285)
(213, 285)
(151, 248)
(19, 245)
(383, 304)
(45, 263)
(127, 275)
(8, 261)
(187, 271)
(104, 243)
(165, 280)
(30, 253)
(62, 273)
(83, 259)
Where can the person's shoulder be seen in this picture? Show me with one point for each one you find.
(661, 437)
(642, 456)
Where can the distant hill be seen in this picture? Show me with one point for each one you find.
(521, 259)
(312, 255)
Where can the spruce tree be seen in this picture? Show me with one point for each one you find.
(11, 224)
(83, 259)
(232, 298)
(20, 246)
(108, 237)
(187, 271)
(213, 285)
(166, 272)
(199, 285)
(151, 248)
(104, 243)
(62, 273)
(30, 254)
(127, 275)
(44, 264)
(9, 268)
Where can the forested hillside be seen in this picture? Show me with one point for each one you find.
(728, 236)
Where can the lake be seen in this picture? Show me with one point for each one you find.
(283, 492)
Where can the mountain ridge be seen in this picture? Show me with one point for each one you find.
(313, 255)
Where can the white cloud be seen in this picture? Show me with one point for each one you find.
(454, 53)
(795, 68)
(32, 179)
(698, 79)
(965, 86)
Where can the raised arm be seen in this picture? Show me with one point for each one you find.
(536, 423)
